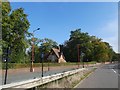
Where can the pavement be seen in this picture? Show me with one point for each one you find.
(23, 74)
(105, 76)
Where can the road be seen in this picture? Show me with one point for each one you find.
(105, 76)
(21, 76)
(32, 75)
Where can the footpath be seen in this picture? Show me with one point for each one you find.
(38, 69)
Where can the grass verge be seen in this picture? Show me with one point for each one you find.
(25, 65)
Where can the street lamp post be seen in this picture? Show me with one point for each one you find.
(6, 68)
(87, 63)
(49, 61)
(78, 47)
(31, 68)
(48, 66)
(83, 64)
(42, 63)
(82, 55)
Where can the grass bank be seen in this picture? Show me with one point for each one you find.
(25, 65)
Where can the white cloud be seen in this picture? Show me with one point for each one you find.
(110, 33)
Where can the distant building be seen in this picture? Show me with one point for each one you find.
(56, 55)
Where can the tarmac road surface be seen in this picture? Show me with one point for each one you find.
(105, 76)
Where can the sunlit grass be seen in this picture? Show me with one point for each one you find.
(25, 65)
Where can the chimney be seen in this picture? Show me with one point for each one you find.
(61, 49)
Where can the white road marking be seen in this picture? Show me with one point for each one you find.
(114, 71)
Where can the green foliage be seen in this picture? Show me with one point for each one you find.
(6, 8)
(116, 57)
(71, 46)
(93, 48)
(45, 46)
(14, 30)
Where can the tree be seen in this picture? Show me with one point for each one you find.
(110, 51)
(14, 30)
(93, 48)
(41, 46)
(36, 49)
(70, 46)
(101, 52)
(46, 46)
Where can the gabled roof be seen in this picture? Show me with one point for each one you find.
(56, 51)
(59, 55)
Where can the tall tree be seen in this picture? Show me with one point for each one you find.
(14, 30)
(94, 49)
(47, 44)
(70, 47)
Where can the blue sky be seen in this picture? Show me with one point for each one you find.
(56, 20)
